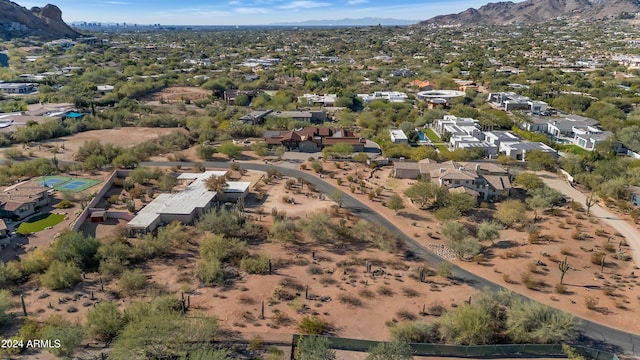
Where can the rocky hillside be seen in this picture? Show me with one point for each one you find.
(532, 11)
(44, 23)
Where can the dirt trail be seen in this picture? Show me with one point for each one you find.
(630, 231)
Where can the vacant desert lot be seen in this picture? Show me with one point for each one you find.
(124, 137)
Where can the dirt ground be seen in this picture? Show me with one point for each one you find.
(329, 274)
(616, 290)
(178, 94)
(68, 145)
(327, 271)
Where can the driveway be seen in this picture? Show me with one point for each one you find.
(630, 231)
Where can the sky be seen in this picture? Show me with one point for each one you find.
(249, 12)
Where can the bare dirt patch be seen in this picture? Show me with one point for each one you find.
(178, 94)
(616, 289)
(67, 146)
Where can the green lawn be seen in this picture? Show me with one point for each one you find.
(39, 223)
(574, 149)
(435, 139)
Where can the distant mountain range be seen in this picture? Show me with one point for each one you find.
(44, 23)
(369, 21)
(532, 11)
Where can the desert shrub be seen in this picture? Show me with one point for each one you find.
(609, 247)
(350, 300)
(414, 332)
(385, 240)
(410, 292)
(75, 247)
(366, 293)
(61, 275)
(10, 273)
(467, 325)
(437, 309)
(105, 321)
(385, 291)
(255, 264)
(131, 281)
(69, 335)
(64, 204)
(591, 302)
(406, 315)
(231, 250)
(537, 323)
(314, 348)
(209, 272)
(327, 280)
(312, 325)
(597, 258)
(560, 289)
(35, 262)
(314, 270)
(566, 252)
(445, 269)
(5, 305)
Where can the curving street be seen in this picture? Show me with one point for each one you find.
(593, 334)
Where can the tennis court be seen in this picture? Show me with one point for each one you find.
(63, 183)
(52, 181)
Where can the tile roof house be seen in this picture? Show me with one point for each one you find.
(313, 139)
(21, 200)
(486, 179)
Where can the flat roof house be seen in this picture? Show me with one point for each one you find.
(519, 150)
(187, 205)
(398, 136)
(311, 116)
(17, 88)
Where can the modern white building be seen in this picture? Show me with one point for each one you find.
(318, 100)
(519, 150)
(398, 136)
(391, 96)
(511, 101)
(186, 205)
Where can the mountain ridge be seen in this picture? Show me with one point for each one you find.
(44, 23)
(367, 21)
(533, 11)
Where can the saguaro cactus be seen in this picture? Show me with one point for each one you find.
(564, 267)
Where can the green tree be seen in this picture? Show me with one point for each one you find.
(537, 323)
(395, 203)
(488, 231)
(541, 160)
(510, 212)
(230, 149)
(217, 183)
(5, 305)
(61, 275)
(205, 152)
(424, 193)
(283, 231)
(390, 351)
(105, 321)
(75, 247)
(467, 325)
(337, 151)
(337, 196)
(70, 337)
(260, 148)
(529, 180)
(314, 348)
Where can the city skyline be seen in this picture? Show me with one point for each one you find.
(250, 12)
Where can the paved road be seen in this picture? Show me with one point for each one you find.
(593, 334)
(624, 227)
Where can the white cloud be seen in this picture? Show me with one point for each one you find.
(251, 10)
(304, 4)
(356, 2)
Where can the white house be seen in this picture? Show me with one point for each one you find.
(398, 136)
(519, 150)
(511, 101)
(391, 96)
